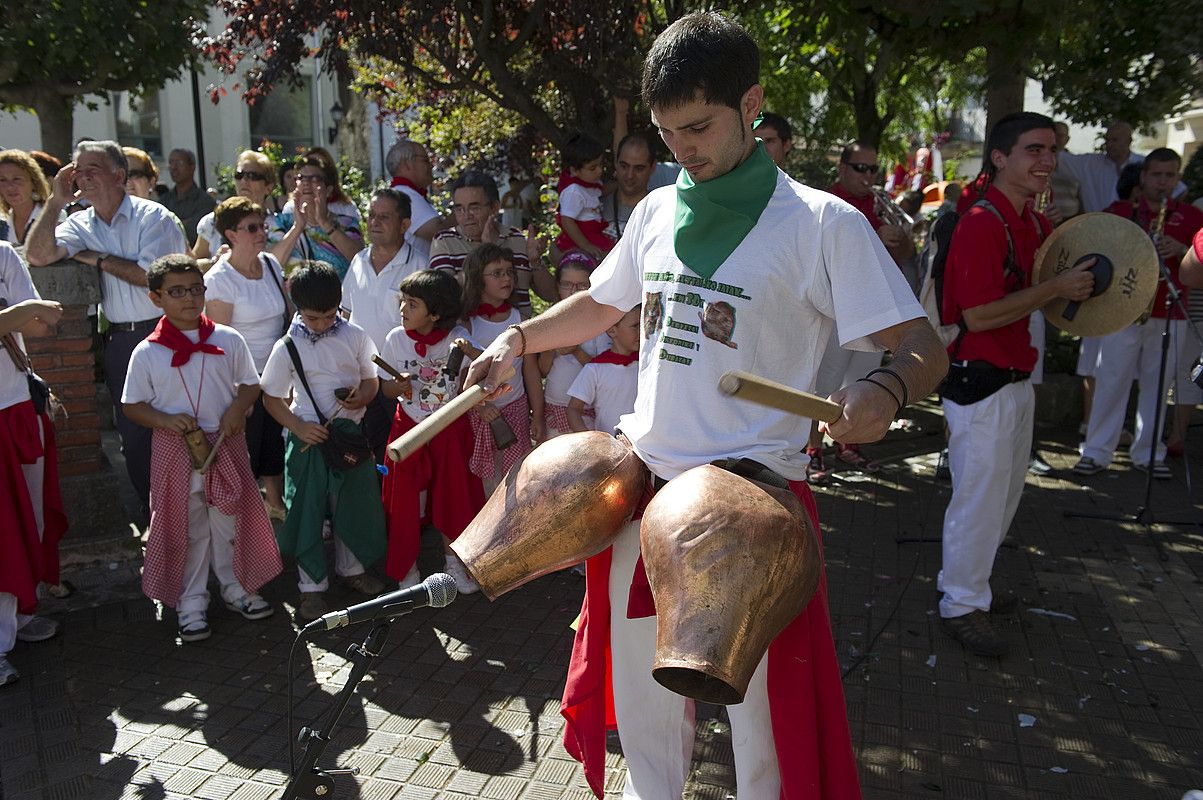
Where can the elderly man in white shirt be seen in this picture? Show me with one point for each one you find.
(371, 293)
(412, 172)
(121, 235)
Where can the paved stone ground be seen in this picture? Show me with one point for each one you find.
(1101, 696)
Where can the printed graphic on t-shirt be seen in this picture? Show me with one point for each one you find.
(433, 383)
(653, 313)
(718, 322)
(673, 310)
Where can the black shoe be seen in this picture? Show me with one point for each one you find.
(1038, 466)
(942, 471)
(977, 634)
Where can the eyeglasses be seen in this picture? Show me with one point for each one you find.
(498, 274)
(179, 291)
(573, 287)
(137, 173)
(248, 175)
(863, 168)
(318, 179)
(253, 227)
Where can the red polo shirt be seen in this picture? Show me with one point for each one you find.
(1182, 222)
(974, 276)
(865, 205)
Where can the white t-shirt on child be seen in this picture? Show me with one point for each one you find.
(15, 287)
(564, 370)
(432, 387)
(581, 202)
(610, 389)
(810, 260)
(339, 360)
(204, 387)
(482, 335)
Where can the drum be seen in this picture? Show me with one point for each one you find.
(730, 562)
(565, 501)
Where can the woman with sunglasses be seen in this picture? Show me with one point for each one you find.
(254, 178)
(318, 223)
(245, 290)
(142, 175)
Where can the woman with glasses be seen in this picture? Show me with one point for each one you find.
(245, 290)
(318, 223)
(254, 178)
(143, 175)
(23, 190)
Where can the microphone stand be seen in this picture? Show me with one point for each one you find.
(1144, 513)
(311, 782)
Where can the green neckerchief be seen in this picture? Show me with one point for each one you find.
(714, 216)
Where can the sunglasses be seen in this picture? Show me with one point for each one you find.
(863, 168)
(253, 227)
(248, 175)
(179, 291)
(137, 173)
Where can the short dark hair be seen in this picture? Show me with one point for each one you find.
(441, 293)
(777, 123)
(314, 286)
(1129, 179)
(701, 52)
(852, 147)
(1006, 133)
(474, 179)
(230, 213)
(1161, 154)
(644, 138)
(580, 150)
(173, 264)
(404, 206)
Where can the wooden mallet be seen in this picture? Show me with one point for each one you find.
(756, 389)
(412, 440)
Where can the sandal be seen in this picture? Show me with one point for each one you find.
(816, 468)
(850, 454)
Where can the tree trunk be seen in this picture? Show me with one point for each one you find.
(1005, 79)
(56, 114)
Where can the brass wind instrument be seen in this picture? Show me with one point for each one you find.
(1042, 200)
(1155, 232)
(889, 212)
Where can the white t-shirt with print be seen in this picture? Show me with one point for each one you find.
(15, 287)
(610, 389)
(810, 260)
(207, 229)
(432, 387)
(581, 202)
(564, 370)
(258, 304)
(204, 387)
(340, 360)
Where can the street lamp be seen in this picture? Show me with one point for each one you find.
(336, 116)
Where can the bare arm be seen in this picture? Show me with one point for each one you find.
(569, 322)
(219, 311)
(542, 281)
(41, 248)
(147, 416)
(533, 381)
(308, 432)
(234, 420)
(32, 317)
(1190, 272)
(920, 363)
(576, 419)
(432, 226)
(123, 268)
(1074, 284)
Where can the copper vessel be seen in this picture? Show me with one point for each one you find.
(565, 501)
(731, 562)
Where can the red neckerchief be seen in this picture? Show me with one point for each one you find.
(610, 357)
(174, 339)
(399, 181)
(568, 179)
(486, 310)
(423, 340)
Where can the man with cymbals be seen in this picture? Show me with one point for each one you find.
(744, 261)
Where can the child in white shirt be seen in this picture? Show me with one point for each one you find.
(610, 381)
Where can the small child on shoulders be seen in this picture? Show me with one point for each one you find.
(580, 212)
(335, 360)
(610, 381)
(501, 427)
(421, 348)
(560, 367)
(192, 379)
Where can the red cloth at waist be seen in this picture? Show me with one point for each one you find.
(809, 718)
(594, 230)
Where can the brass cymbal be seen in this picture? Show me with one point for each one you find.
(1125, 272)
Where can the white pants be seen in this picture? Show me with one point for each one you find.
(841, 366)
(989, 443)
(1088, 356)
(1134, 352)
(10, 620)
(656, 726)
(210, 545)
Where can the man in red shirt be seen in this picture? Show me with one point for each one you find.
(1135, 351)
(855, 177)
(988, 398)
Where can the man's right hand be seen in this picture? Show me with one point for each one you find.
(488, 369)
(64, 184)
(311, 432)
(1076, 284)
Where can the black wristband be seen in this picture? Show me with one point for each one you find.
(895, 376)
(884, 388)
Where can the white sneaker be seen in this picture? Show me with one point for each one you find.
(8, 673)
(412, 578)
(463, 581)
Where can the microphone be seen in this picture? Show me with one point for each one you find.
(436, 591)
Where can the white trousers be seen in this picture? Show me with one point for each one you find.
(656, 726)
(841, 366)
(210, 545)
(989, 443)
(35, 481)
(1134, 352)
(1088, 356)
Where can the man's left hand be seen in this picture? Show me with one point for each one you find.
(868, 411)
(891, 235)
